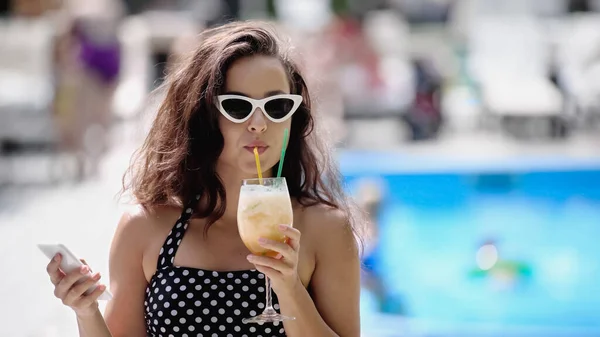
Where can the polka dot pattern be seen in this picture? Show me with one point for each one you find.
(183, 301)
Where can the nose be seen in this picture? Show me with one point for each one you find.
(257, 123)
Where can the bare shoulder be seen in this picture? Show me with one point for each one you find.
(140, 234)
(327, 228)
(139, 220)
(320, 213)
(131, 225)
(141, 228)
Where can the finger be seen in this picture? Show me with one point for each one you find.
(53, 265)
(284, 249)
(57, 277)
(69, 280)
(88, 300)
(80, 289)
(268, 271)
(53, 269)
(270, 262)
(293, 234)
(85, 262)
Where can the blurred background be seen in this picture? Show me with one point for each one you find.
(468, 129)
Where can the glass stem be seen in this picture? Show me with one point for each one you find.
(269, 299)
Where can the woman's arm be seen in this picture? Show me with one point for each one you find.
(331, 305)
(124, 315)
(93, 325)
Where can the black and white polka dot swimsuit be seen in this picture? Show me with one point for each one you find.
(189, 302)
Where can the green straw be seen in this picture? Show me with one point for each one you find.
(283, 147)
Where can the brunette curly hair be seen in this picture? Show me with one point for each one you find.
(178, 158)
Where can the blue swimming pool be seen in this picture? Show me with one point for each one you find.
(506, 244)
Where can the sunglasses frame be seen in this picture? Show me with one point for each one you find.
(258, 103)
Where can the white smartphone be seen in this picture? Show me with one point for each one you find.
(69, 263)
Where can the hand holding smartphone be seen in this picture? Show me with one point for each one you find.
(69, 263)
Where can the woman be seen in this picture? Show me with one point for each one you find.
(187, 181)
(88, 66)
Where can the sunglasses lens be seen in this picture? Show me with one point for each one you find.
(237, 108)
(279, 107)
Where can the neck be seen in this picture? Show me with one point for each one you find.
(232, 181)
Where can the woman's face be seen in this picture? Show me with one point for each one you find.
(255, 77)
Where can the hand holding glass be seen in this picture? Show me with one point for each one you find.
(261, 209)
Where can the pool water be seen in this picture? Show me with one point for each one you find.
(503, 245)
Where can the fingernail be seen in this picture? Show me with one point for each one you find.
(96, 277)
(262, 240)
(283, 227)
(84, 269)
(250, 257)
(102, 287)
(56, 257)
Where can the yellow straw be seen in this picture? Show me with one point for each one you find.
(260, 180)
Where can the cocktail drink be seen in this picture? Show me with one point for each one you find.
(261, 209)
(260, 212)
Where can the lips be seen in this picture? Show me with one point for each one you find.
(260, 149)
(260, 146)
